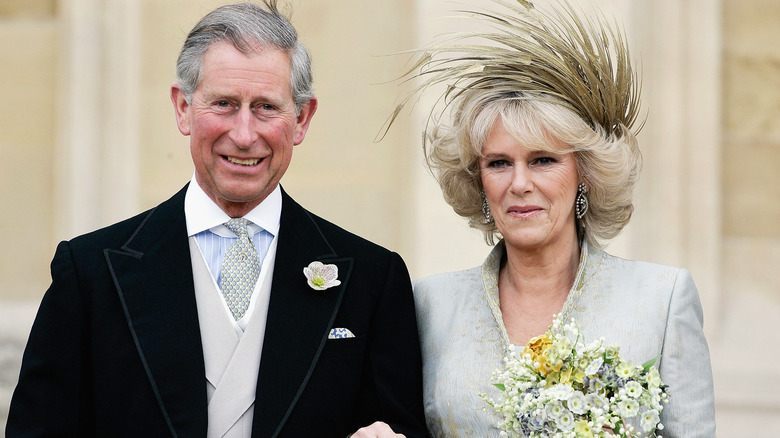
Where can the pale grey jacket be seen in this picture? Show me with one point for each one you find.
(646, 309)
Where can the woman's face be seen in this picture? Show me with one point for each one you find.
(531, 193)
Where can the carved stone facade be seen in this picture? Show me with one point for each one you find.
(88, 135)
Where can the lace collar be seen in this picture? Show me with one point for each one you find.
(590, 260)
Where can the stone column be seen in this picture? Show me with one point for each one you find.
(678, 204)
(96, 175)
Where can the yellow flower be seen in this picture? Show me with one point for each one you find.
(537, 348)
(583, 429)
(566, 375)
(538, 345)
(544, 367)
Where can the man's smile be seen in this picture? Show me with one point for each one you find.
(243, 162)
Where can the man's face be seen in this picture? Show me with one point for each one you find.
(242, 125)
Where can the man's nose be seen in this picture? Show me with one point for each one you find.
(244, 133)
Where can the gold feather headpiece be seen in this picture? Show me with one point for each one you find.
(581, 63)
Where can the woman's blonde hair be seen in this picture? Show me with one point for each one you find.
(609, 164)
(547, 75)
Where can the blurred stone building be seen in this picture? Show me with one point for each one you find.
(88, 137)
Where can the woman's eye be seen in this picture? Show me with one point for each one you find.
(545, 160)
(498, 163)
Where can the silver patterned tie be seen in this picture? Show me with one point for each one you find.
(240, 269)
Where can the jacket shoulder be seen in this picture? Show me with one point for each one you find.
(641, 271)
(448, 280)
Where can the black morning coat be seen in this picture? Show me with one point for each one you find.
(115, 350)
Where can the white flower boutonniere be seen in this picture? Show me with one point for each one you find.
(321, 276)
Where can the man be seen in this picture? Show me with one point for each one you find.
(228, 310)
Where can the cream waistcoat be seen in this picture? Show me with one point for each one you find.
(232, 359)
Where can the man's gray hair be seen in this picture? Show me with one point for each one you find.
(249, 28)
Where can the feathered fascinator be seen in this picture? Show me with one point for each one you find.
(581, 63)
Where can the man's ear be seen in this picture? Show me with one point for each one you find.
(303, 120)
(181, 108)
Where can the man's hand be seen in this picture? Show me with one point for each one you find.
(376, 430)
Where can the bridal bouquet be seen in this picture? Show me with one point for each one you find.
(561, 387)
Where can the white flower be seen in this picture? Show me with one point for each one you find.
(625, 370)
(597, 345)
(650, 420)
(555, 409)
(595, 401)
(565, 421)
(594, 366)
(633, 389)
(653, 378)
(560, 391)
(563, 348)
(321, 276)
(596, 386)
(628, 408)
(577, 403)
(571, 331)
(537, 419)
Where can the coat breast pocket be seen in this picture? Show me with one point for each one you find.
(340, 367)
(345, 348)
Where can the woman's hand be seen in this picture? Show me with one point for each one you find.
(376, 430)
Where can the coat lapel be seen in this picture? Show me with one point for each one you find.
(153, 276)
(299, 318)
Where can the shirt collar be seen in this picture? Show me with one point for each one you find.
(203, 214)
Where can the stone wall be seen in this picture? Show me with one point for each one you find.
(748, 389)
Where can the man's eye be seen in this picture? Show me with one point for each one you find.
(223, 104)
(267, 107)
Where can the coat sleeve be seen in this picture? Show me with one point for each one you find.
(685, 366)
(395, 357)
(49, 400)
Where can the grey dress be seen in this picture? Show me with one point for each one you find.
(646, 309)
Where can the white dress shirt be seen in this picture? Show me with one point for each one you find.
(205, 221)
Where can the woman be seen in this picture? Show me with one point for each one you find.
(540, 153)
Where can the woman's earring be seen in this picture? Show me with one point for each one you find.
(581, 204)
(486, 209)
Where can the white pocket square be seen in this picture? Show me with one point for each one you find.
(340, 333)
